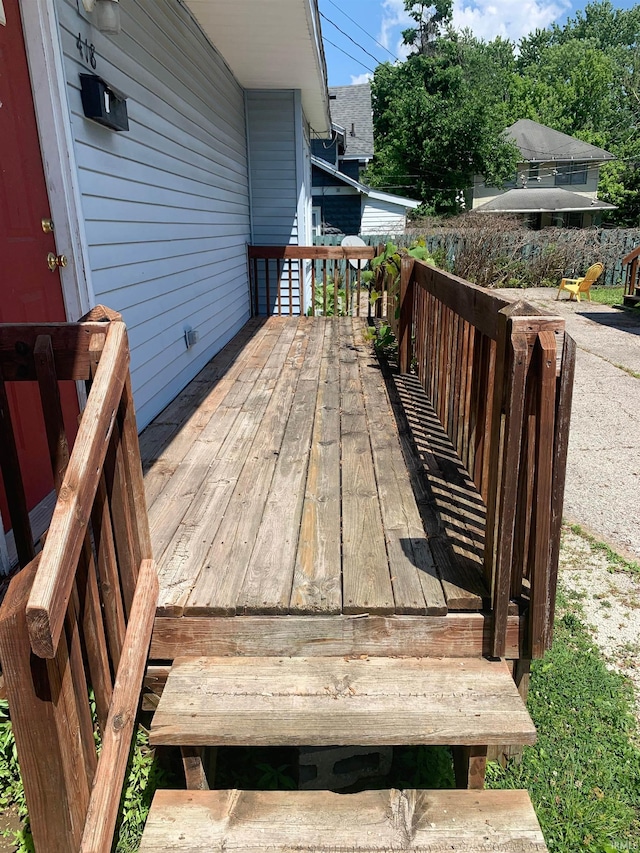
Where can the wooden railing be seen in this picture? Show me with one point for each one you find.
(499, 376)
(313, 280)
(631, 267)
(78, 618)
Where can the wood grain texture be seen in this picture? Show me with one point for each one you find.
(416, 586)
(366, 582)
(455, 635)
(317, 575)
(71, 343)
(186, 518)
(323, 822)
(326, 701)
(13, 486)
(267, 584)
(116, 742)
(222, 571)
(55, 813)
(52, 586)
(312, 252)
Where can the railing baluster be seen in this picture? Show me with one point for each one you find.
(267, 288)
(14, 489)
(324, 288)
(279, 273)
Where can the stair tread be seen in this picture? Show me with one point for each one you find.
(320, 821)
(241, 701)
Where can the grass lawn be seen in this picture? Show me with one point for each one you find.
(584, 772)
(607, 295)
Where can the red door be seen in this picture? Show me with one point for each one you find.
(29, 291)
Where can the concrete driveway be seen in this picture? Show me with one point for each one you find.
(603, 474)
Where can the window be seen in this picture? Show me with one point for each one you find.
(571, 173)
(316, 221)
(534, 171)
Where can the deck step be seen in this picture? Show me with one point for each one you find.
(319, 822)
(334, 701)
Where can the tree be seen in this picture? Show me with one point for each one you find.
(429, 18)
(439, 116)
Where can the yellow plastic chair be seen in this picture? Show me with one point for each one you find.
(576, 286)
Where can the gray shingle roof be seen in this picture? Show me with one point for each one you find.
(351, 109)
(540, 143)
(542, 200)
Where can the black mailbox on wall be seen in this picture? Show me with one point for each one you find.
(102, 104)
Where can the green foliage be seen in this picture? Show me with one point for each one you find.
(11, 790)
(584, 772)
(145, 777)
(433, 126)
(336, 300)
(439, 116)
(616, 561)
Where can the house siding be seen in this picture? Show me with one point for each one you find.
(276, 142)
(166, 204)
(340, 214)
(380, 217)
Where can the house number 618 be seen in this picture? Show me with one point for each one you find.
(87, 51)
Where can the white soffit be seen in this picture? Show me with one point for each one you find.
(271, 44)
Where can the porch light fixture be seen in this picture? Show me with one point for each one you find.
(107, 14)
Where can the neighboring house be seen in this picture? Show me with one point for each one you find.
(342, 204)
(222, 100)
(555, 184)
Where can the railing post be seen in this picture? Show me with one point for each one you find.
(406, 314)
(506, 439)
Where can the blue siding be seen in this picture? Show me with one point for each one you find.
(272, 132)
(166, 204)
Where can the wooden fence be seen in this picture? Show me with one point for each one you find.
(79, 616)
(499, 376)
(607, 245)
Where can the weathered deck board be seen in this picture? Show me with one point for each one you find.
(288, 487)
(323, 822)
(366, 581)
(317, 575)
(415, 592)
(240, 701)
(221, 577)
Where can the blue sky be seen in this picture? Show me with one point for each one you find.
(376, 26)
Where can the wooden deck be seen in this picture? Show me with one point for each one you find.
(283, 480)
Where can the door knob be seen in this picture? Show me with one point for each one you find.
(55, 261)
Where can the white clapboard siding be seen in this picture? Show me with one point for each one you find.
(381, 217)
(272, 127)
(166, 204)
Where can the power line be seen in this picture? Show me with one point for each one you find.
(333, 44)
(360, 27)
(353, 41)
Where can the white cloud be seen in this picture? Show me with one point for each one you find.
(358, 79)
(393, 17)
(510, 19)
